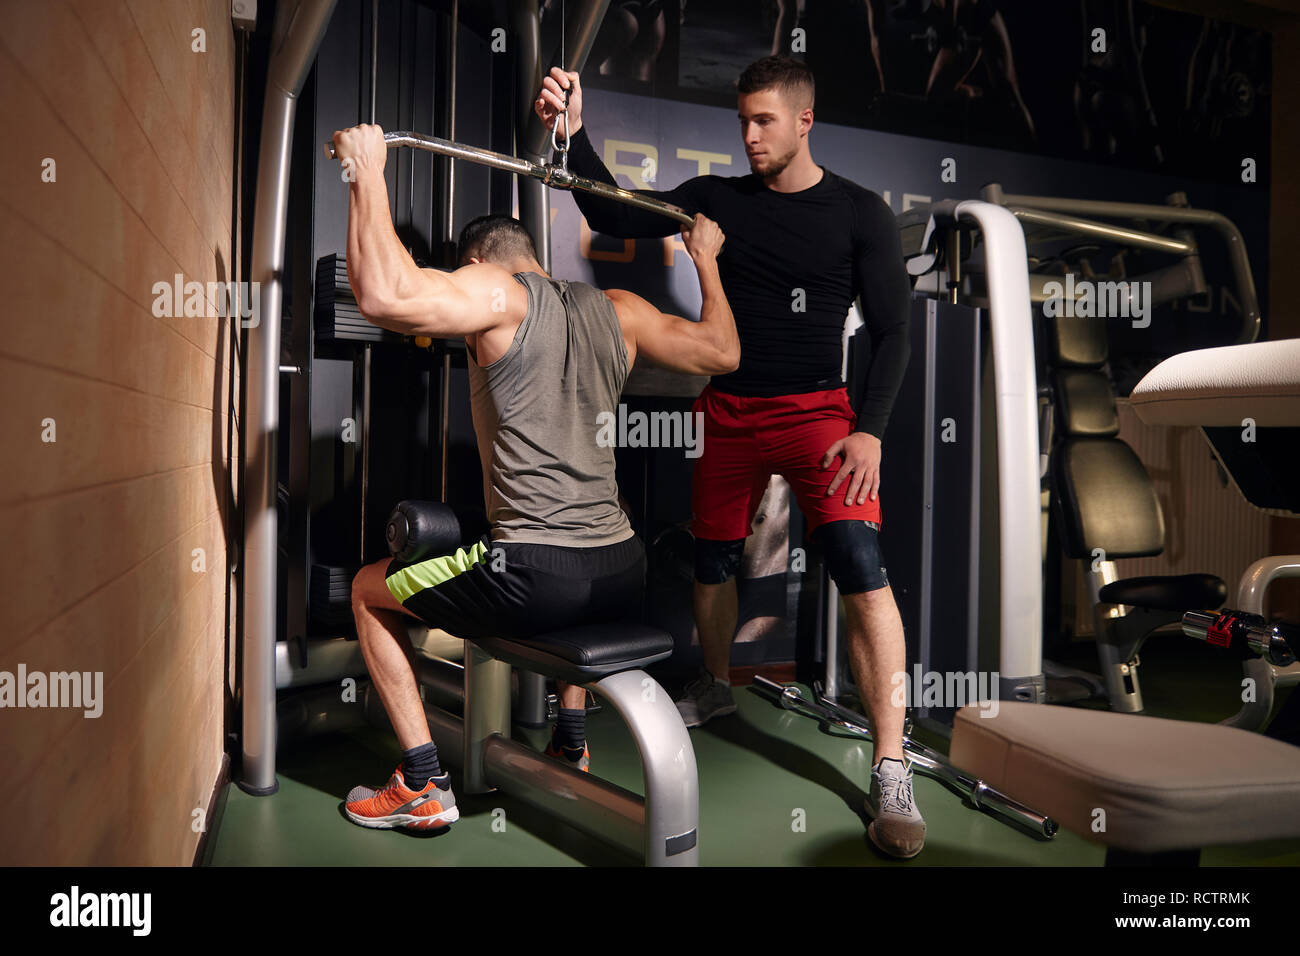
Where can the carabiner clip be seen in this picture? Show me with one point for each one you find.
(562, 150)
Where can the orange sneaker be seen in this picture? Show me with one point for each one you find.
(396, 805)
(582, 763)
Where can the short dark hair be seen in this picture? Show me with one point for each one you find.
(495, 238)
(782, 73)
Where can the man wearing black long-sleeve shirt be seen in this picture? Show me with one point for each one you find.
(802, 243)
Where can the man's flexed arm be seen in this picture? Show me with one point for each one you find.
(707, 347)
(391, 290)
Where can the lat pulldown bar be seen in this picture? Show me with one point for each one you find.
(557, 177)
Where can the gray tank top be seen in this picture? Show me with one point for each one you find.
(545, 478)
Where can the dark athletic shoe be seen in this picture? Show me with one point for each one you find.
(395, 805)
(705, 698)
(896, 826)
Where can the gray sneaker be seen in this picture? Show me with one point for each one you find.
(896, 826)
(704, 699)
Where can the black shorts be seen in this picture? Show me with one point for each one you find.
(511, 590)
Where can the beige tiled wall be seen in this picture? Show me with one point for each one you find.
(100, 527)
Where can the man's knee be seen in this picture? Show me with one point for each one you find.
(852, 554)
(369, 588)
(717, 562)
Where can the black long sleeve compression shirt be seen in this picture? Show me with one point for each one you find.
(791, 267)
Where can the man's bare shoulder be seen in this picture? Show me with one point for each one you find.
(628, 306)
(623, 299)
(489, 286)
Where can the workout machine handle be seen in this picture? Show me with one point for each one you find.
(1278, 641)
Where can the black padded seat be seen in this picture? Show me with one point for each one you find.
(579, 655)
(1104, 499)
(1168, 592)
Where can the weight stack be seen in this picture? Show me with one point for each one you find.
(337, 317)
(331, 597)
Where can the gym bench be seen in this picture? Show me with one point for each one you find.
(608, 660)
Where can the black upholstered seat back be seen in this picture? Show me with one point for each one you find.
(1085, 403)
(1076, 342)
(1104, 499)
(1102, 496)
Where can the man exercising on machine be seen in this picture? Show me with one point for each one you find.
(546, 357)
(802, 244)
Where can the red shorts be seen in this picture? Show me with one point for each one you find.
(747, 440)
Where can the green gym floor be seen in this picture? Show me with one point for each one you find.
(757, 768)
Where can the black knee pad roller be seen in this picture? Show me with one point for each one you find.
(717, 561)
(421, 529)
(852, 552)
